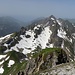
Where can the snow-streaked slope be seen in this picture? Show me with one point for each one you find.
(5, 37)
(1, 62)
(60, 23)
(3, 59)
(29, 44)
(61, 33)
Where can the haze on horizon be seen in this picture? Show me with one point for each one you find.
(37, 8)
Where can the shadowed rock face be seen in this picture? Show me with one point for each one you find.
(21, 73)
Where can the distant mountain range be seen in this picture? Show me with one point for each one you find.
(71, 20)
(9, 25)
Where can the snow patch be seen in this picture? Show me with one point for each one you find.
(6, 51)
(62, 45)
(1, 62)
(1, 70)
(2, 56)
(51, 45)
(7, 58)
(43, 37)
(47, 23)
(11, 62)
(28, 32)
(6, 45)
(53, 24)
(68, 49)
(52, 18)
(37, 27)
(61, 33)
(70, 40)
(4, 59)
(59, 22)
(54, 21)
(73, 35)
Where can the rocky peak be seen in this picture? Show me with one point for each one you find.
(52, 17)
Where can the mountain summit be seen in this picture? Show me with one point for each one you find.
(35, 48)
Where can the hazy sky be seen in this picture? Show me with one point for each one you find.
(38, 8)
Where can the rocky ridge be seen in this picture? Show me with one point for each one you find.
(34, 42)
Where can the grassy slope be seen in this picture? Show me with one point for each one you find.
(16, 67)
(47, 51)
